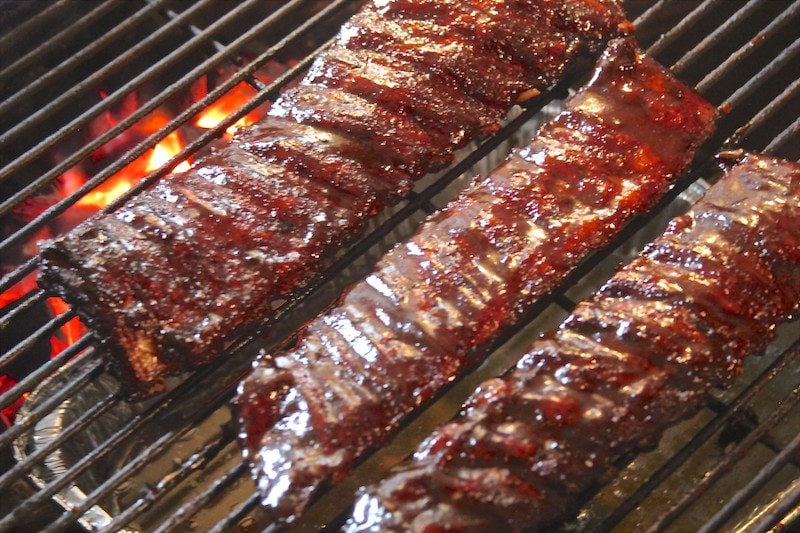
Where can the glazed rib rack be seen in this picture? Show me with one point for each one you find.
(161, 465)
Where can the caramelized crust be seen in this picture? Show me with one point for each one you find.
(433, 303)
(635, 359)
(170, 278)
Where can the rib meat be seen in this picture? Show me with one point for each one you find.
(433, 303)
(168, 279)
(635, 359)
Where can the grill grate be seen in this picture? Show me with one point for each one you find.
(763, 115)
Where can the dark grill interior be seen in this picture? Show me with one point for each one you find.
(173, 461)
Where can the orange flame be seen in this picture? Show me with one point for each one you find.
(229, 102)
(69, 333)
(7, 414)
(166, 150)
(109, 191)
(18, 290)
(130, 175)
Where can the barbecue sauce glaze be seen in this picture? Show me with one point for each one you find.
(172, 276)
(635, 359)
(432, 303)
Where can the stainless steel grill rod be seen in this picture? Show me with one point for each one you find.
(736, 59)
(80, 57)
(713, 475)
(717, 35)
(58, 40)
(24, 30)
(91, 83)
(179, 160)
(61, 206)
(762, 478)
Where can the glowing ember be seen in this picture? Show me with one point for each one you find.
(117, 185)
(18, 290)
(164, 151)
(227, 104)
(122, 181)
(69, 333)
(7, 414)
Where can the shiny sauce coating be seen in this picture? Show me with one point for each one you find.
(434, 302)
(169, 279)
(636, 358)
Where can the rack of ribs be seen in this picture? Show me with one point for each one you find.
(434, 303)
(169, 279)
(627, 364)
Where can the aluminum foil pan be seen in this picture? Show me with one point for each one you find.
(63, 457)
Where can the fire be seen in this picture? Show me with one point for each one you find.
(130, 175)
(69, 333)
(7, 414)
(118, 184)
(227, 104)
(18, 290)
(166, 150)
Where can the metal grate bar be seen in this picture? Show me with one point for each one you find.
(24, 303)
(765, 114)
(765, 475)
(684, 25)
(785, 136)
(80, 57)
(745, 51)
(154, 70)
(229, 522)
(219, 47)
(58, 40)
(774, 515)
(39, 375)
(42, 333)
(158, 68)
(190, 509)
(677, 459)
(711, 477)
(89, 83)
(745, 91)
(76, 427)
(16, 275)
(154, 450)
(651, 14)
(191, 464)
(61, 206)
(24, 30)
(717, 35)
